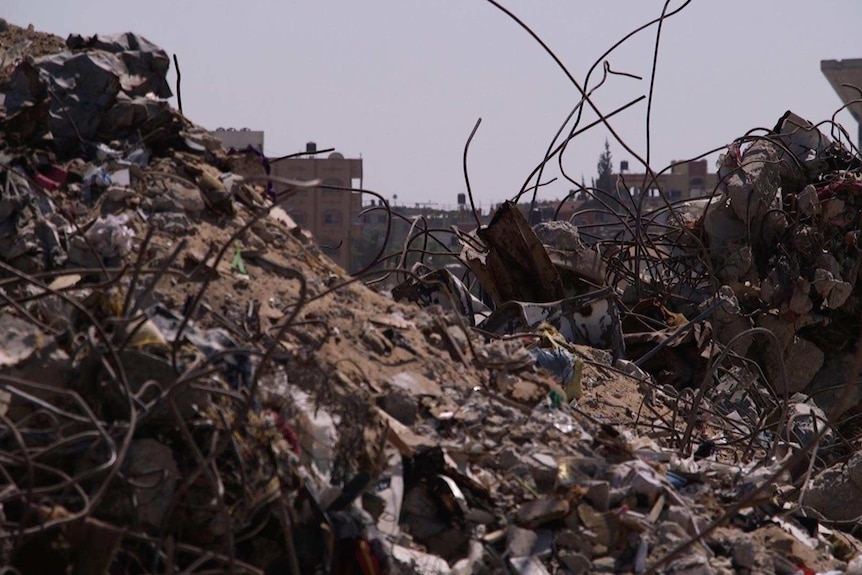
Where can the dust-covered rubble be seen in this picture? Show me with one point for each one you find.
(188, 384)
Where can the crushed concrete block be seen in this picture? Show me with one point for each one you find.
(800, 302)
(604, 527)
(536, 513)
(599, 494)
(682, 517)
(722, 226)
(789, 547)
(576, 563)
(783, 329)
(154, 471)
(29, 354)
(744, 553)
(639, 478)
(508, 458)
(695, 564)
(171, 222)
(834, 291)
(544, 470)
(836, 492)
(526, 542)
(402, 406)
(559, 234)
(418, 562)
(574, 540)
(807, 202)
(671, 533)
(834, 399)
(416, 384)
(730, 321)
(754, 188)
(802, 361)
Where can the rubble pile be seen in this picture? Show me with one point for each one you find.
(187, 384)
(784, 241)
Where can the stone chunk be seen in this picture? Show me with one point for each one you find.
(744, 553)
(692, 565)
(401, 406)
(836, 492)
(603, 526)
(536, 513)
(754, 188)
(416, 384)
(802, 361)
(576, 563)
(638, 477)
(527, 543)
(154, 471)
(559, 234)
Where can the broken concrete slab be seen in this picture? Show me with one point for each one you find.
(533, 514)
(836, 493)
(514, 265)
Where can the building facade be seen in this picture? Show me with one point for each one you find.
(598, 215)
(329, 212)
(684, 181)
(239, 139)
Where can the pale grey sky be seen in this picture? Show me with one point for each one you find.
(402, 82)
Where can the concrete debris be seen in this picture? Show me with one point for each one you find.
(536, 513)
(835, 493)
(153, 475)
(188, 382)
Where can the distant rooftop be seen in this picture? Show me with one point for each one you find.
(845, 76)
(239, 138)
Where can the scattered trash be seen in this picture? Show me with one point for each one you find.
(110, 237)
(237, 263)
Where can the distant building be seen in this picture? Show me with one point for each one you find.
(239, 139)
(598, 215)
(548, 210)
(441, 218)
(331, 214)
(845, 76)
(684, 181)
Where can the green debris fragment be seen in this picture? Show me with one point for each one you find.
(556, 399)
(237, 263)
(527, 486)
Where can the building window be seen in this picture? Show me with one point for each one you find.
(331, 218)
(329, 185)
(675, 194)
(697, 181)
